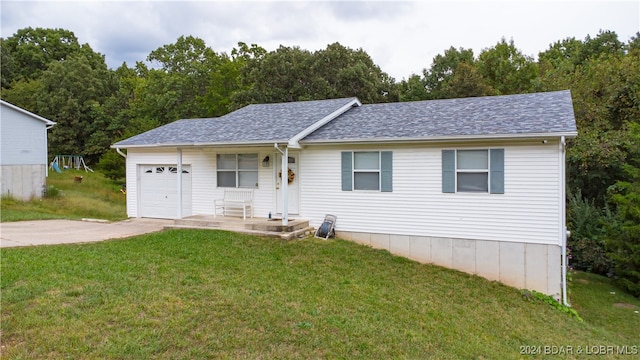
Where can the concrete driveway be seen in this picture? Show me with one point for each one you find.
(49, 232)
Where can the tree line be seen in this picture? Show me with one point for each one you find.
(48, 72)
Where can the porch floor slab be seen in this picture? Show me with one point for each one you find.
(256, 226)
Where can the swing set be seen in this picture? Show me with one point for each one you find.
(66, 162)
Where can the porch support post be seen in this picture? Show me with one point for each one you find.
(179, 185)
(284, 182)
(285, 186)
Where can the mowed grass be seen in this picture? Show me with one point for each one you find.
(94, 197)
(605, 305)
(192, 294)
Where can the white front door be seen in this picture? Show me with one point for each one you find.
(293, 185)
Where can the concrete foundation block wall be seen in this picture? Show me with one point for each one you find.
(360, 238)
(23, 182)
(380, 241)
(464, 255)
(554, 274)
(535, 259)
(420, 249)
(521, 265)
(400, 245)
(511, 258)
(442, 252)
(486, 259)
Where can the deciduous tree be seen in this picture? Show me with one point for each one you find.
(624, 237)
(506, 69)
(32, 50)
(72, 94)
(443, 70)
(466, 82)
(294, 74)
(413, 89)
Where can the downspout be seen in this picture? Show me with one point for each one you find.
(126, 179)
(563, 228)
(121, 153)
(284, 183)
(46, 149)
(179, 166)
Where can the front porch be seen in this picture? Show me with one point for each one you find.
(296, 228)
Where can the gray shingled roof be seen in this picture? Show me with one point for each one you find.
(500, 116)
(537, 113)
(260, 123)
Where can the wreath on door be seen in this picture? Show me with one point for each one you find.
(290, 177)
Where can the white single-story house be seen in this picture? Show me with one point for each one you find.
(475, 184)
(23, 152)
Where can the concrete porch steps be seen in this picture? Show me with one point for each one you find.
(296, 228)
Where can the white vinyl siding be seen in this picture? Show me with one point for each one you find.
(528, 212)
(23, 154)
(23, 138)
(204, 187)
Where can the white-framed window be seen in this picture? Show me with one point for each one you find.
(473, 171)
(237, 170)
(367, 170)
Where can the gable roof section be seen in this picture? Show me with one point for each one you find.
(507, 116)
(28, 113)
(250, 125)
(346, 120)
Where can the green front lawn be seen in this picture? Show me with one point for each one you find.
(191, 294)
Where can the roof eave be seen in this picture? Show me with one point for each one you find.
(568, 134)
(191, 145)
(29, 113)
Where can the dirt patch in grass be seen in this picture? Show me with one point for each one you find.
(625, 306)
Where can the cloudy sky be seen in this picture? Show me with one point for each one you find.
(401, 37)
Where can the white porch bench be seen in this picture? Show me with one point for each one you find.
(235, 202)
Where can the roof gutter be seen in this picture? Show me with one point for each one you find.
(294, 142)
(442, 138)
(187, 145)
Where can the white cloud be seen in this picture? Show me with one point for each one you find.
(401, 37)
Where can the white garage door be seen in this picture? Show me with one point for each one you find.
(159, 191)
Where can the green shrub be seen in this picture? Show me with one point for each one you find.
(52, 192)
(590, 255)
(112, 165)
(587, 224)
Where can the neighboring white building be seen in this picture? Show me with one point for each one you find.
(23, 152)
(475, 184)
